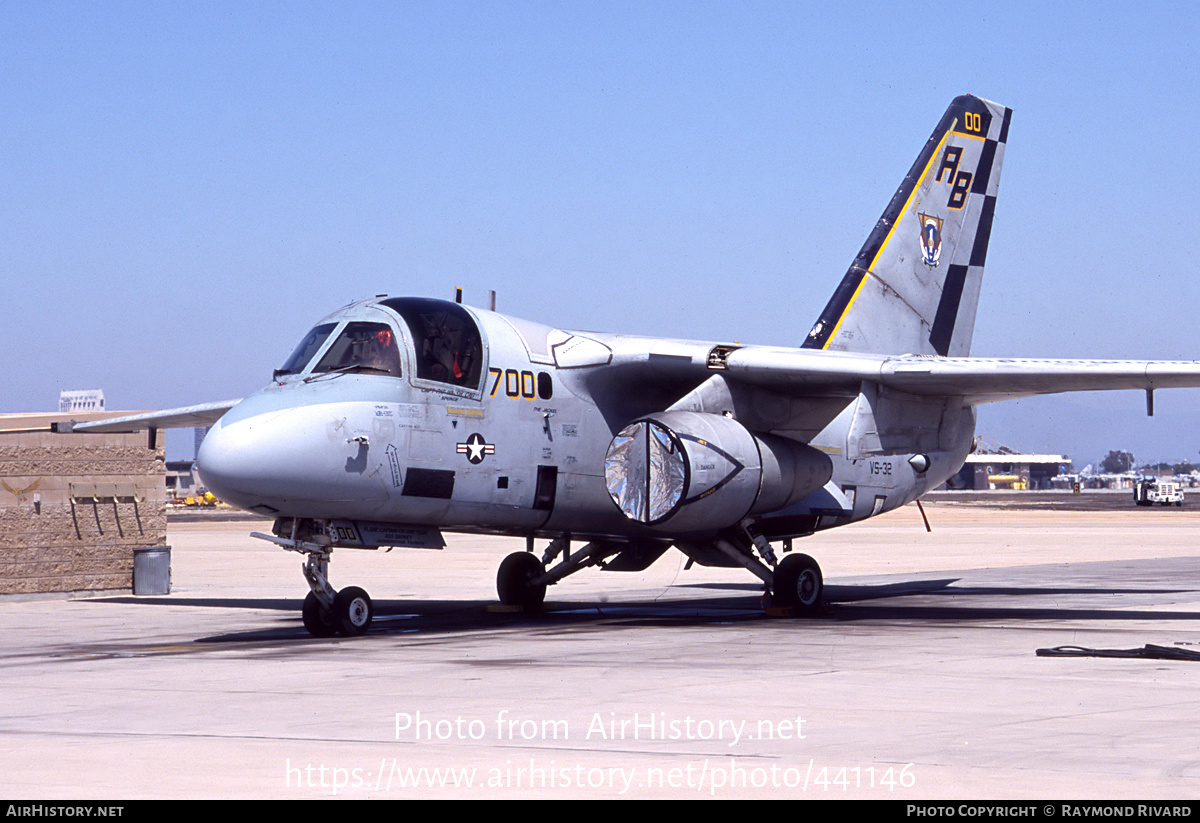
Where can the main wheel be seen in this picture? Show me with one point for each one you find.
(353, 611)
(318, 619)
(514, 581)
(798, 583)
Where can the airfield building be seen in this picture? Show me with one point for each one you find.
(79, 511)
(1011, 471)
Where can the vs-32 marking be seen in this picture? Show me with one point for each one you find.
(880, 467)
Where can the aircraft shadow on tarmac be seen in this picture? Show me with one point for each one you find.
(938, 600)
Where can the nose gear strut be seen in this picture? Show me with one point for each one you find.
(326, 611)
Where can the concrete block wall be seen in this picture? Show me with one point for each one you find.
(73, 507)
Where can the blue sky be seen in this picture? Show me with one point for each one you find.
(190, 186)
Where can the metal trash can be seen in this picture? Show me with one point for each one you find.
(152, 570)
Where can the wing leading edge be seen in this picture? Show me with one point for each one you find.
(977, 380)
(205, 414)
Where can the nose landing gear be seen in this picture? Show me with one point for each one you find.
(326, 611)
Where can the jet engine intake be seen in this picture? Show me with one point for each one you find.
(688, 472)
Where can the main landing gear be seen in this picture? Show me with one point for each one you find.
(326, 611)
(798, 583)
(794, 583)
(519, 580)
(523, 578)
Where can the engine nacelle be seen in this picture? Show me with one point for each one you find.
(694, 472)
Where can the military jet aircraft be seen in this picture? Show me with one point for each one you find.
(399, 418)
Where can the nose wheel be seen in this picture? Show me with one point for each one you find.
(317, 619)
(326, 611)
(349, 616)
(353, 611)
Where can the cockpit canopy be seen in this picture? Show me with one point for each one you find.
(447, 342)
(447, 346)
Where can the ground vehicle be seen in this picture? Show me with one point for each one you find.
(1151, 490)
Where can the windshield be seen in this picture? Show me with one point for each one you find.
(368, 346)
(308, 347)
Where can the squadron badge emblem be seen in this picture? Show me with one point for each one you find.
(931, 239)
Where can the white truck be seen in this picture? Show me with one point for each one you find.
(1149, 490)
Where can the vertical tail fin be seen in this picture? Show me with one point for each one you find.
(914, 286)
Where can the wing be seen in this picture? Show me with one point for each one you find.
(977, 380)
(204, 414)
(988, 380)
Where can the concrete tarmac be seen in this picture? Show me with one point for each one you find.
(920, 680)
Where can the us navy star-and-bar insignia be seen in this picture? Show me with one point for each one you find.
(475, 448)
(931, 239)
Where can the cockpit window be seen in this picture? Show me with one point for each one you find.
(448, 345)
(308, 347)
(366, 346)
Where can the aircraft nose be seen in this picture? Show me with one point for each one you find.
(294, 460)
(262, 461)
(235, 461)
